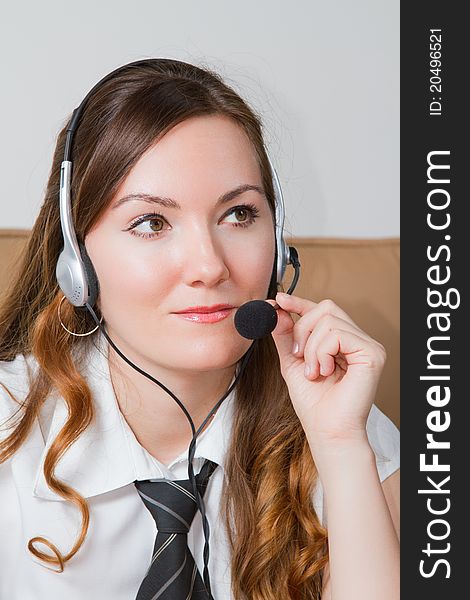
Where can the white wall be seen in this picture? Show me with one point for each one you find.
(324, 75)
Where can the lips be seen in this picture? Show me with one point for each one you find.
(204, 309)
(206, 314)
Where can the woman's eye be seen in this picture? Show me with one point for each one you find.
(245, 215)
(152, 225)
(147, 226)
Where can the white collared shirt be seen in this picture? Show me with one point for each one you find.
(102, 465)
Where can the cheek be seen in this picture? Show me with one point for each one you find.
(254, 263)
(130, 278)
(126, 277)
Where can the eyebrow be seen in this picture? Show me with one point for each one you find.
(170, 203)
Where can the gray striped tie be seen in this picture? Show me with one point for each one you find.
(172, 574)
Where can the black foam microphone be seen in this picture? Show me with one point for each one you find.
(255, 319)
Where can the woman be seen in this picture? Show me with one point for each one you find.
(158, 147)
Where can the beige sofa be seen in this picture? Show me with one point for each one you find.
(361, 275)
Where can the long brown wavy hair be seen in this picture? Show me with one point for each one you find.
(278, 546)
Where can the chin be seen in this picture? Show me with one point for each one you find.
(209, 355)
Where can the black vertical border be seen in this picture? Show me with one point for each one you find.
(420, 134)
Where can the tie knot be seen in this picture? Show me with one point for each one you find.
(172, 503)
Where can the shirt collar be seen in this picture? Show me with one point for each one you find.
(107, 455)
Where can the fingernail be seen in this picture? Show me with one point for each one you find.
(295, 348)
(308, 370)
(283, 295)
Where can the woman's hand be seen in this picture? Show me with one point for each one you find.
(333, 400)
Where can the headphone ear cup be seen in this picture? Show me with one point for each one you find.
(281, 259)
(90, 273)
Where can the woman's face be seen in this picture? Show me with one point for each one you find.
(189, 226)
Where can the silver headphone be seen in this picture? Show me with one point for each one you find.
(75, 273)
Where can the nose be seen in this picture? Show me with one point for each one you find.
(204, 260)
